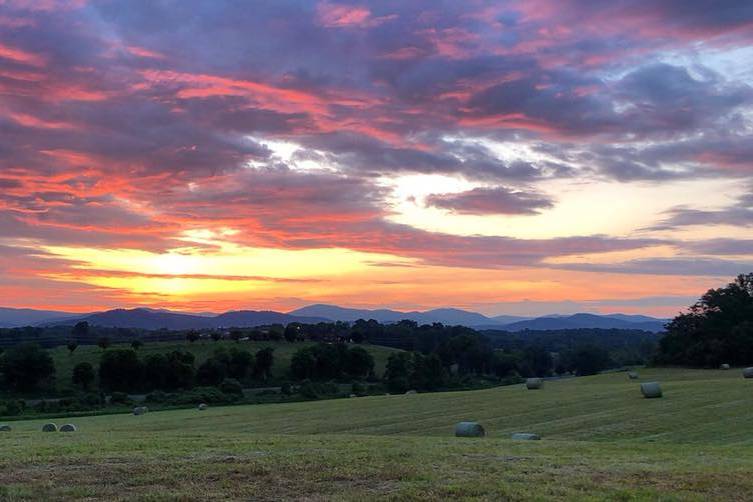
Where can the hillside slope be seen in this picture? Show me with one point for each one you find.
(601, 441)
(699, 406)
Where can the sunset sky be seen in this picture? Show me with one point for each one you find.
(522, 157)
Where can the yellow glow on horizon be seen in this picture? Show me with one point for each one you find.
(231, 268)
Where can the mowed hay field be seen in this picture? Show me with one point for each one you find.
(601, 440)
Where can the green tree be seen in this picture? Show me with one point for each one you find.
(25, 366)
(103, 343)
(211, 372)
(192, 336)
(586, 360)
(716, 329)
(292, 332)
(264, 361)
(72, 346)
(155, 371)
(120, 370)
(240, 364)
(303, 363)
(397, 371)
(137, 344)
(80, 330)
(83, 375)
(358, 363)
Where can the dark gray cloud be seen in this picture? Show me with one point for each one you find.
(738, 214)
(495, 200)
(669, 266)
(729, 247)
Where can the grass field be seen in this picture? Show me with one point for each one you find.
(65, 361)
(601, 440)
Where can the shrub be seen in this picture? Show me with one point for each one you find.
(119, 398)
(200, 395)
(157, 396)
(231, 387)
(13, 408)
(91, 399)
(315, 390)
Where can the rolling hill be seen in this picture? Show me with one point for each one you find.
(159, 319)
(145, 318)
(580, 321)
(449, 316)
(600, 441)
(12, 318)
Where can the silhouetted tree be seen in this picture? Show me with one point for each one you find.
(103, 343)
(25, 366)
(120, 370)
(83, 375)
(80, 330)
(716, 329)
(264, 361)
(586, 360)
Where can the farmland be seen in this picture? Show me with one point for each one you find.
(600, 440)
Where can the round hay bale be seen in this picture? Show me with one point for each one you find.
(353, 395)
(410, 392)
(534, 383)
(469, 430)
(140, 410)
(632, 375)
(724, 366)
(651, 389)
(68, 428)
(525, 436)
(748, 372)
(5, 428)
(49, 427)
(203, 406)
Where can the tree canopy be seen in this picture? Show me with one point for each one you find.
(717, 329)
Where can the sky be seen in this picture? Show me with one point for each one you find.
(509, 157)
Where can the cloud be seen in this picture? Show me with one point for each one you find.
(739, 214)
(129, 126)
(496, 200)
(683, 266)
(729, 247)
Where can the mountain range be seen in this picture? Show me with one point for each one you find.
(144, 318)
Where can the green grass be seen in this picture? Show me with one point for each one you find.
(65, 361)
(601, 440)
